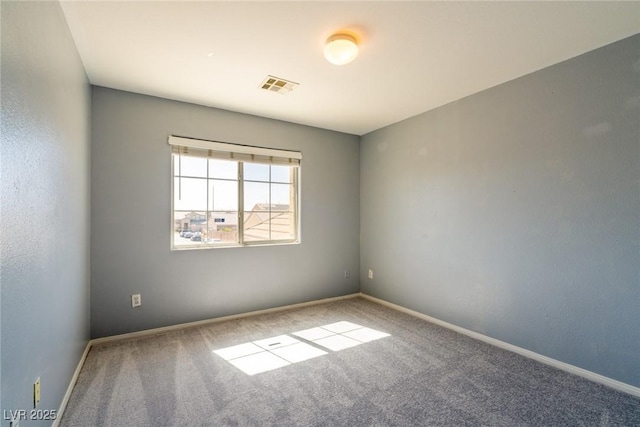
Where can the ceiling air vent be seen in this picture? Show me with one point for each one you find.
(278, 85)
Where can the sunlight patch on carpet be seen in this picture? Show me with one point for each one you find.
(282, 350)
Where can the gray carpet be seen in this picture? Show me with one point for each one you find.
(421, 374)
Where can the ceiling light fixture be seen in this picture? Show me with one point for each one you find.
(341, 49)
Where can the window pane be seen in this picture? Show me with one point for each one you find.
(256, 193)
(281, 196)
(256, 224)
(189, 166)
(223, 228)
(189, 194)
(281, 173)
(223, 195)
(282, 226)
(256, 172)
(223, 169)
(189, 228)
(265, 225)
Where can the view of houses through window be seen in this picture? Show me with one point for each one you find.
(220, 202)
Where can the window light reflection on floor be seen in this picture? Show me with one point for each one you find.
(273, 353)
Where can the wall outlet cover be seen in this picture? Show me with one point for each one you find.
(136, 300)
(36, 392)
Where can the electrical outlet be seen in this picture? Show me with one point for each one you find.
(136, 300)
(36, 392)
(347, 274)
(370, 274)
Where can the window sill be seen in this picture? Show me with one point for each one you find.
(231, 245)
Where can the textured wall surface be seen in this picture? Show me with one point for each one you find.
(131, 219)
(516, 212)
(45, 205)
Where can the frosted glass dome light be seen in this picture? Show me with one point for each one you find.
(341, 49)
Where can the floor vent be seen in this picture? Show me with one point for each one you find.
(278, 85)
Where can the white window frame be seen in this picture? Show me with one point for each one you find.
(240, 154)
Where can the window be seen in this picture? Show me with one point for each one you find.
(232, 195)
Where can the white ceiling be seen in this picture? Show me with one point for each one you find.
(414, 56)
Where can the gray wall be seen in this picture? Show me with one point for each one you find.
(516, 212)
(131, 222)
(45, 205)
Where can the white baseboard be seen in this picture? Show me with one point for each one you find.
(592, 376)
(165, 329)
(72, 384)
